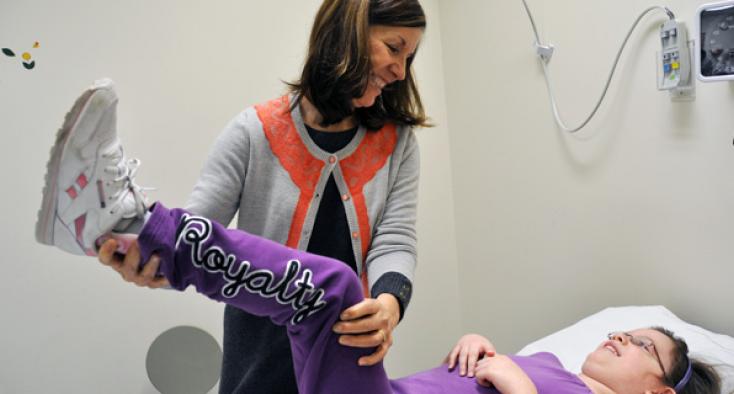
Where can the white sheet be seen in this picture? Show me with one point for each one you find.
(573, 343)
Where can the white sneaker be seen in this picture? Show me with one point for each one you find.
(89, 187)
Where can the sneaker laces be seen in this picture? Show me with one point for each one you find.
(122, 183)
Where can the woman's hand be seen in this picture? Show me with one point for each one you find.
(468, 350)
(370, 324)
(506, 376)
(128, 265)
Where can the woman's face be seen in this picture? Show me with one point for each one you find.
(625, 367)
(390, 49)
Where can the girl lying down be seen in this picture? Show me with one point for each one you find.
(307, 293)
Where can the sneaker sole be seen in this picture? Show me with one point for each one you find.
(47, 212)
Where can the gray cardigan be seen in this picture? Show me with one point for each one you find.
(265, 167)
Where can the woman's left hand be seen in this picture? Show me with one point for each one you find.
(370, 324)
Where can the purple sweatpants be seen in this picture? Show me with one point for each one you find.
(304, 292)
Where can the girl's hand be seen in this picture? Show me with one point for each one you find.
(468, 350)
(506, 376)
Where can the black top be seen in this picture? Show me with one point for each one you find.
(330, 233)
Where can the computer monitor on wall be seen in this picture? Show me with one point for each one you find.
(715, 41)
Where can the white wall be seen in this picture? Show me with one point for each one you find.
(550, 228)
(433, 321)
(546, 228)
(183, 69)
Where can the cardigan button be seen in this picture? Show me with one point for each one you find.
(355, 235)
(332, 159)
(345, 197)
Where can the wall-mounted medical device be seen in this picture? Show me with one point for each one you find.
(675, 57)
(715, 41)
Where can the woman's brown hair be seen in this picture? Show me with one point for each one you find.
(337, 66)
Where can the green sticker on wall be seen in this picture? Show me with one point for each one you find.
(8, 52)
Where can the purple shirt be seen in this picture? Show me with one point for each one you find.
(544, 370)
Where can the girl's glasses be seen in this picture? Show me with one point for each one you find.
(643, 342)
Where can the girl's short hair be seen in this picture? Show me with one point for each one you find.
(704, 378)
(337, 66)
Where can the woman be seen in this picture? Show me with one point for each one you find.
(337, 176)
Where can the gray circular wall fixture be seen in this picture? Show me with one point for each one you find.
(184, 360)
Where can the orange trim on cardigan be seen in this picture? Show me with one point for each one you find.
(358, 169)
(286, 144)
(304, 169)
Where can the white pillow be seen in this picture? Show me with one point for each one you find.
(573, 343)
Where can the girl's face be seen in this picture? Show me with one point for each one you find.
(390, 49)
(628, 362)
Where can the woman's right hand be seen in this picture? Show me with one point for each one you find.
(468, 350)
(128, 265)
